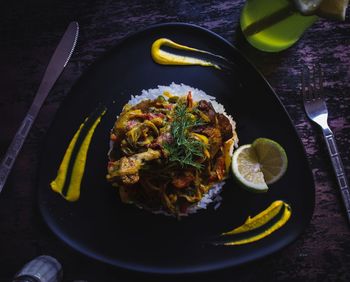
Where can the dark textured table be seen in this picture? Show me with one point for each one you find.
(30, 31)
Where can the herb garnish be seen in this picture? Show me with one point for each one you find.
(184, 149)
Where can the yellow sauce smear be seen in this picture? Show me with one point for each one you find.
(260, 220)
(165, 58)
(73, 191)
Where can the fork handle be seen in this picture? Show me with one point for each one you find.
(338, 168)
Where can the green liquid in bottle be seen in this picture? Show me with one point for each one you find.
(273, 25)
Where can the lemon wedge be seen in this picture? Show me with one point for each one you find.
(258, 164)
(333, 9)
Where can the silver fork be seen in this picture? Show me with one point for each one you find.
(316, 110)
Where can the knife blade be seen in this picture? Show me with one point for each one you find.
(55, 67)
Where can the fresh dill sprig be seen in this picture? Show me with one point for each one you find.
(184, 149)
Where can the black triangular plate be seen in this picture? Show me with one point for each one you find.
(101, 227)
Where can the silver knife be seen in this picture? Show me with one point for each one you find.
(55, 67)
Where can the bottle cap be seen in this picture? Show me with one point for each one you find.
(41, 269)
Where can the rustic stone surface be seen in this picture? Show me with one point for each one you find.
(30, 31)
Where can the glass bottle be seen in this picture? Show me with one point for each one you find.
(40, 269)
(273, 25)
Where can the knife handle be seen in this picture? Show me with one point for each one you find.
(15, 147)
(55, 67)
(338, 168)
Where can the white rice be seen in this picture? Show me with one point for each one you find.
(179, 90)
(213, 195)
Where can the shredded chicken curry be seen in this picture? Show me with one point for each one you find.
(168, 152)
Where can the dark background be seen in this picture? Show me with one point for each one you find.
(30, 31)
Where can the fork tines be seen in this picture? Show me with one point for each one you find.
(312, 83)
